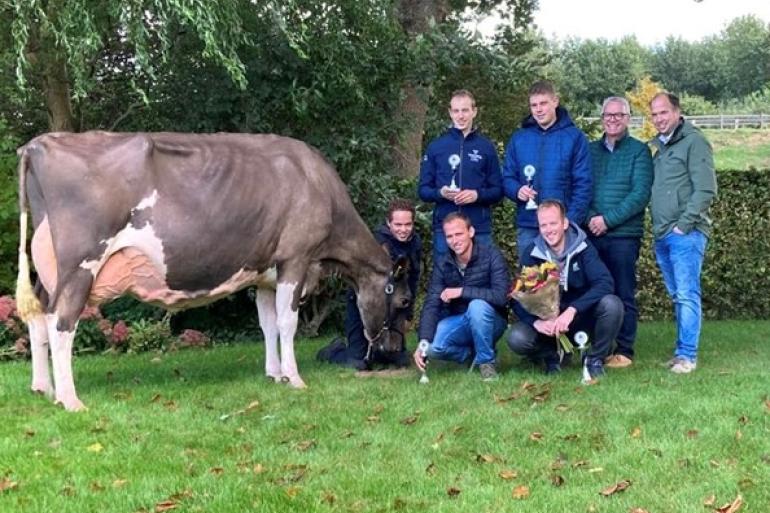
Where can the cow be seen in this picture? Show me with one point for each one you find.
(181, 220)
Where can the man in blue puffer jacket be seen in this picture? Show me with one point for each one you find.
(554, 152)
(460, 171)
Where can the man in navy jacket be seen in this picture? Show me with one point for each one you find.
(460, 172)
(550, 147)
(465, 310)
(587, 302)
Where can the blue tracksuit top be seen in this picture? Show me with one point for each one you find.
(473, 162)
(562, 165)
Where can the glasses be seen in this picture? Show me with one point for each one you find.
(617, 116)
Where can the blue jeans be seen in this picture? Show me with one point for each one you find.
(459, 337)
(440, 247)
(620, 255)
(524, 237)
(680, 259)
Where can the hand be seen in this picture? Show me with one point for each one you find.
(597, 225)
(448, 294)
(526, 193)
(562, 322)
(546, 327)
(677, 231)
(448, 193)
(419, 361)
(466, 196)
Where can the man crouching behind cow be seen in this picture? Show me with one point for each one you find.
(465, 311)
(398, 237)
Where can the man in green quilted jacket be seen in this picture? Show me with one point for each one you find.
(622, 178)
(683, 188)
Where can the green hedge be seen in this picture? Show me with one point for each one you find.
(735, 276)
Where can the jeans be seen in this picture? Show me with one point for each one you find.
(440, 247)
(602, 323)
(620, 255)
(460, 337)
(680, 259)
(524, 237)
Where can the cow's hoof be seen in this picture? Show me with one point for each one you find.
(294, 382)
(43, 389)
(274, 379)
(73, 404)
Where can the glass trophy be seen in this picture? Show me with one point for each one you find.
(529, 172)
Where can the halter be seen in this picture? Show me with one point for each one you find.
(387, 323)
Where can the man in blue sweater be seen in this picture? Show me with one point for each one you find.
(460, 172)
(465, 310)
(547, 158)
(587, 302)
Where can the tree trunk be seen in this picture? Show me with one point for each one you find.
(414, 16)
(57, 96)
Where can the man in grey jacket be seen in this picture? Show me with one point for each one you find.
(684, 186)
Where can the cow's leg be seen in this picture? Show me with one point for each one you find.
(38, 341)
(61, 356)
(268, 323)
(288, 318)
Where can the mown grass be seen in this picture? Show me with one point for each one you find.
(741, 149)
(154, 437)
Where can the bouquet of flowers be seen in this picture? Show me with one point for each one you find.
(537, 291)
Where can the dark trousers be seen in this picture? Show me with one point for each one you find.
(620, 255)
(601, 323)
(357, 346)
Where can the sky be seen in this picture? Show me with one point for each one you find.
(652, 21)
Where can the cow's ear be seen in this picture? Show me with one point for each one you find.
(400, 267)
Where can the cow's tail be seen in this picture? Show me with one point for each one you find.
(27, 303)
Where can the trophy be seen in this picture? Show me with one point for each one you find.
(581, 341)
(454, 161)
(423, 348)
(529, 172)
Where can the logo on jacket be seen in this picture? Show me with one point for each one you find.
(575, 267)
(475, 156)
(454, 160)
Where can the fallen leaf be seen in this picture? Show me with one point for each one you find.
(457, 429)
(408, 421)
(439, 438)
(542, 396)
(486, 458)
(743, 419)
(156, 398)
(328, 497)
(305, 445)
(511, 397)
(29, 433)
(373, 418)
(170, 405)
(68, 490)
(347, 434)
(595, 470)
(731, 507)
(508, 474)
(293, 491)
(692, 433)
(715, 463)
(657, 452)
(379, 409)
(166, 505)
(217, 471)
(561, 407)
(710, 500)
(738, 434)
(184, 494)
(571, 437)
(557, 480)
(119, 483)
(638, 510)
(430, 469)
(536, 436)
(452, 491)
(617, 487)
(95, 447)
(520, 492)
(96, 486)
(399, 503)
(559, 462)
(636, 432)
(580, 463)
(7, 484)
(767, 404)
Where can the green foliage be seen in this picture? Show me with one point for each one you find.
(9, 211)
(149, 335)
(697, 105)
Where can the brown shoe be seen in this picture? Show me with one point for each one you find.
(618, 361)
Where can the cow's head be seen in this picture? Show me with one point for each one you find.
(384, 309)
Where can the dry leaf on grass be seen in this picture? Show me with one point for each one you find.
(217, 471)
(743, 419)
(487, 458)
(95, 447)
(166, 505)
(452, 491)
(731, 507)
(692, 433)
(636, 432)
(638, 510)
(373, 418)
(253, 405)
(617, 487)
(119, 483)
(561, 407)
(508, 474)
(408, 421)
(710, 500)
(536, 436)
(6, 484)
(430, 469)
(328, 497)
(520, 492)
(557, 480)
(304, 445)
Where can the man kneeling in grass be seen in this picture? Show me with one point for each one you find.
(465, 310)
(587, 302)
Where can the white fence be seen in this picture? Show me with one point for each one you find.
(720, 121)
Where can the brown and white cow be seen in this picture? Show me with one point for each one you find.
(180, 220)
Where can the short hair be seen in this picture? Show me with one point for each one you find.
(553, 203)
(399, 204)
(457, 215)
(617, 99)
(463, 92)
(542, 87)
(672, 98)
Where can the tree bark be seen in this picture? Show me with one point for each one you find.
(415, 17)
(57, 96)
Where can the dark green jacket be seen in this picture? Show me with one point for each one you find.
(685, 183)
(622, 180)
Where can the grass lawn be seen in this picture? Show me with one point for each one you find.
(740, 149)
(156, 439)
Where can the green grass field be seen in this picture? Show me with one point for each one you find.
(740, 149)
(203, 431)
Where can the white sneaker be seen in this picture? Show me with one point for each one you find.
(683, 366)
